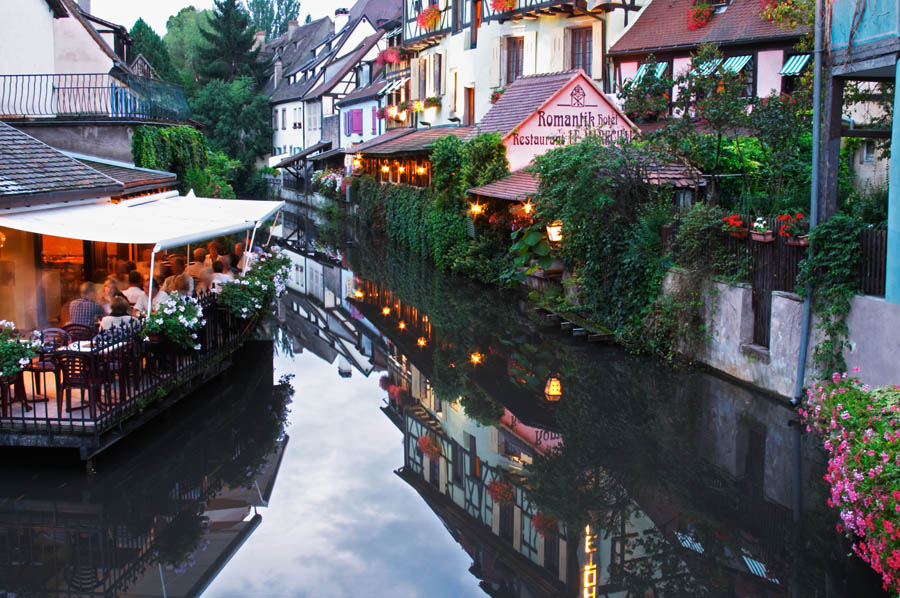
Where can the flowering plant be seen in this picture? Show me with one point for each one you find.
(501, 493)
(403, 106)
(790, 225)
(178, 318)
(328, 182)
(760, 225)
(388, 56)
(265, 281)
(15, 352)
(544, 524)
(429, 17)
(381, 112)
(699, 15)
(429, 446)
(503, 5)
(433, 102)
(861, 430)
(495, 95)
(732, 223)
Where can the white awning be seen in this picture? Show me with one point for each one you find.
(735, 64)
(165, 220)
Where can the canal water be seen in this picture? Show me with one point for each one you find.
(411, 434)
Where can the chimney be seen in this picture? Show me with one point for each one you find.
(292, 27)
(259, 39)
(276, 79)
(85, 6)
(341, 16)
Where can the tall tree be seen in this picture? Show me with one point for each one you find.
(230, 53)
(148, 43)
(183, 40)
(273, 16)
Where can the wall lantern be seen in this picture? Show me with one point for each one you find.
(421, 342)
(385, 310)
(357, 160)
(401, 169)
(358, 294)
(554, 231)
(385, 169)
(420, 170)
(476, 209)
(528, 208)
(476, 358)
(553, 389)
(401, 325)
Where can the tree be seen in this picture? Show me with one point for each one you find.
(229, 53)
(184, 41)
(148, 43)
(273, 16)
(236, 121)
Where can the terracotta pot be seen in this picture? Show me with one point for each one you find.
(801, 241)
(739, 234)
(763, 237)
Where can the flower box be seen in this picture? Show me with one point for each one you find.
(429, 18)
(503, 5)
(739, 234)
(766, 236)
(801, 241)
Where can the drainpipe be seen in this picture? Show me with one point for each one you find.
(813, 196)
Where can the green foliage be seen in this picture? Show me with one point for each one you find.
(485, 160)
(15, 353)
(213, 180)
(178, 318)
(184, 42)
(479, 406)
(229, 53)
(831, 269)
(255, 292)
(647, 99)
(174, 149)
(148, 43)
(871, 206)
(447, 162)
(272, 16)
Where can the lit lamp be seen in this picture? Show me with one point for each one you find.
(476, 209)
(420, 170)
(401, 325)
(528, 208)
(554, 231)
(2, 240)
(385, 169)
(553, 389)
(358, 294)
(476, 358)
(357, 160)
(401, 169)
(418, 106)
(385, 310)
(392, 111)
(421, 342)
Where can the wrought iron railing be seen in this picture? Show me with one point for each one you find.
(519, 7)
(94, 95)
(116, 375)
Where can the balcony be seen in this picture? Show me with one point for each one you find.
(529, 8)
(90, 96)
(415, 35)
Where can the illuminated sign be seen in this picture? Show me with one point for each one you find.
(589, 571)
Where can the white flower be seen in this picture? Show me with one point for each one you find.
(197, 347)
(24, 361)
(159, 320)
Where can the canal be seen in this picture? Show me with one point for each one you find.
(411, 434)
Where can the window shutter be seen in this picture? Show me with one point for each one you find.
(356, 121)
(413, 78)
(494, 73)
(374, 120)
(438, 79)
(529, 60)
(443, 88)
(347, 122)
(597, 70)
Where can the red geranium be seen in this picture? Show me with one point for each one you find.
(790, 225)
(429, 446)
(501, 493)
(503, 5)
(429, 17)
(544, 524)
(699, 15)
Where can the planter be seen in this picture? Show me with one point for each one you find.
(739, 234)
(763, 237)
(801, 241)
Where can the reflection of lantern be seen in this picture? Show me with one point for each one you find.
(420, 170)
(553, 390)
(421, 341)
(476, 209)
(2, 240)
(385, 169)
(385, 310)
(358, 294)
(476, 358)
(554, 231)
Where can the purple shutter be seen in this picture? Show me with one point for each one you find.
(346, 123)
(374, 120)
(356, 125)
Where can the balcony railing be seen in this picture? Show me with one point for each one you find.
(90, 95)
(413, 32)
(524, 7)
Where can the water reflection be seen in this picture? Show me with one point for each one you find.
(165, 511)
(563, 468)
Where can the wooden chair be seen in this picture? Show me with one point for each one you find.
(47, 361)
(79, 371)
(80, 332)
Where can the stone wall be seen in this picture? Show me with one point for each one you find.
(874, 338)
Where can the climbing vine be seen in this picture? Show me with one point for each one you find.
(174, 149)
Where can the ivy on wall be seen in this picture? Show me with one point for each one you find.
(173, 149)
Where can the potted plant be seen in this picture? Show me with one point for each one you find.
(734, 226)
(429, 17)
(403, 106)
(503, 5)
(699, 15)
(177, 319)
(792, 227)
(433, 102)
(265, 281)
(15, 352)
(761, 232)
(544, 524)
(501, 492)
(430, 446)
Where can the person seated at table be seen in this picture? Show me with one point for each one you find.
(237, 262)
(162, 293)
(135, 292)
(196, 267)
(110, 291)
(215, 253)
(121, 275)
(183, 285)
(119, 314)
(85, 310)
(177, 270)
(220, 276)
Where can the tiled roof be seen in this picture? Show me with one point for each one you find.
(416, 141)
(678, 175)
(364, 93)
(663, 25)
(392, 134)
(286, 93)
(376, 10)
(349, 64)
(520, 100)
(294, 52)
(132, 177)
(300, 155)
(32, 172)
(517, 186)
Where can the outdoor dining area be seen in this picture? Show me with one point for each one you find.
(109, 353)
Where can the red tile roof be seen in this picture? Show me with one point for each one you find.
(663, 25)
(392, 134)
(678, 175)
(521, 99)
(415, 141)
(517, 186)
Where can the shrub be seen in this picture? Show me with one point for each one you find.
(178, 318)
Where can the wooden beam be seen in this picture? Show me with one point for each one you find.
(866, 133)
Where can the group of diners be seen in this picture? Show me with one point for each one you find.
(123, 297)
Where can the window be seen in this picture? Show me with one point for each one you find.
(582, 49)
(515, 55)
(867, 152)
(436, 77)
(423, 77)
(283, 119)
(275, 118)
(476, 23)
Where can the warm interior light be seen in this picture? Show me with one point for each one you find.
(385, 310)
(357, 163)
(402, 325)
(358, 294)
(476, 209)
(358, 156)
(385, 169)
(553, 389)
(392, 111)
(476, 358)
(420, 170)
(401, 115)
(554, 231)
(401, 169)
(421, 341)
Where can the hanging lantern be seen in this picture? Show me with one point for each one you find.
(392, 111)
(476, 358)
(420, 170)
(401, 325)
(418, 106)
(357, 160)
(358, 294)
(421, 342)
(553, 389)
(385, 169)
(476, 209)
(401, 169)
(385, 311)
(554, 231)
(528, 208)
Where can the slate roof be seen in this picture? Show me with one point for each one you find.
(663, 25)
(413, 142)
(387, 136)
(520, 100)
(294, 51)
(517, 186)
(133, 178)
(364, 93)
(32, 172)
(302, 154)
(376, 11)
(349, 64)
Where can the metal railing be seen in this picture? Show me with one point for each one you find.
(521, 7)
(95, 95)
(116, 375)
